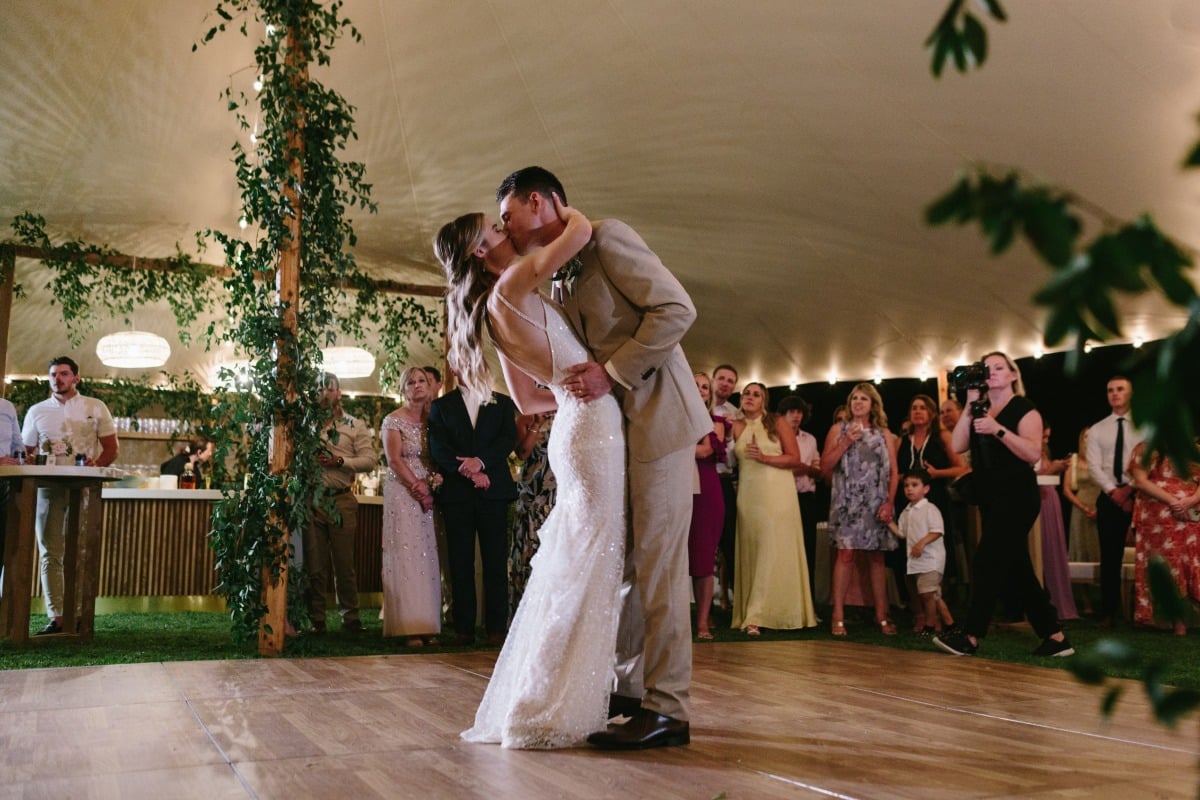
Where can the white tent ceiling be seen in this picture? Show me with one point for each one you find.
(777, 154)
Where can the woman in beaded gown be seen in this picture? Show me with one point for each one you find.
(770, 582)
(551, 682)
(412, 585)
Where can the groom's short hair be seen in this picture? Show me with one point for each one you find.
(525, 181)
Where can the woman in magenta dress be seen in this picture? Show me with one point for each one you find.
(708, 512)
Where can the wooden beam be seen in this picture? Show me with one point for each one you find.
(12, 251)
(7, 275)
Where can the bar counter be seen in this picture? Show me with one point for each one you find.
(154, 554)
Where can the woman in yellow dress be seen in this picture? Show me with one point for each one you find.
(770, 586)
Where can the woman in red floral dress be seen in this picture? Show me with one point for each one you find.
(1166, 518)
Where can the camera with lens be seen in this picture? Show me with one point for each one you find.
(971, 376)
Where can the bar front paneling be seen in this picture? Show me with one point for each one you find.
(155, 545)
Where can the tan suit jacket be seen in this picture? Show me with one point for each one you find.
(631, 312)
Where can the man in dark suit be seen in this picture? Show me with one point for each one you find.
(470, 438)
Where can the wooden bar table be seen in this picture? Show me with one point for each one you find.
(81, 561)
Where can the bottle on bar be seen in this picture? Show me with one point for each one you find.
(188, 479)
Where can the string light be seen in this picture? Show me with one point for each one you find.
(878, 378)
(832, 378)
(243, 223)
(1087, 347)
(258, 83)
(1038, 352)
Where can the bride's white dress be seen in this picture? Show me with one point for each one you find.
(551, 683)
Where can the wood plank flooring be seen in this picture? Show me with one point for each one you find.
(793, 719)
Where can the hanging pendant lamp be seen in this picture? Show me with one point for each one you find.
(133, 350)
(347, 362)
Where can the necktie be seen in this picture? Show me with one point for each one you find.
(1119, 453)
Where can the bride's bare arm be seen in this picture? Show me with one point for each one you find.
(529, 397)
(532, 270)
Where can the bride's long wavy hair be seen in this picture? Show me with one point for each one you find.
(466, 301)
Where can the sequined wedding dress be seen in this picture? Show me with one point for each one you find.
(551, 683)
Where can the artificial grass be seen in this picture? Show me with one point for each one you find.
(127, 638)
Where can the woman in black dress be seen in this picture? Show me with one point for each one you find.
(927, 445)
(1004, 434)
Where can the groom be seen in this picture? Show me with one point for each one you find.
(631, 312)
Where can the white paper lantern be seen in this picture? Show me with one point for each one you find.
(347, 362)
(133, 350)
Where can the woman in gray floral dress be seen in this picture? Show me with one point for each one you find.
(860, 455)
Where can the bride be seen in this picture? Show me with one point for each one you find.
(551, 683)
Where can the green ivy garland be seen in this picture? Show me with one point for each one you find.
(89, 279)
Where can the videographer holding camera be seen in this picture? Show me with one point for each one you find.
(1003, 431)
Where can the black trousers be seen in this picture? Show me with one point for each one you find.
(728, 544)
(1112, 523)
(487, 519)
(808, 518)
(1002, 564)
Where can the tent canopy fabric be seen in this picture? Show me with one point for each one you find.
(777, 155)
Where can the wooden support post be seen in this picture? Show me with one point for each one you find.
(287, 284)
(8, 274)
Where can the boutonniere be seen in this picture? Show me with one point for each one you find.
(569, 271)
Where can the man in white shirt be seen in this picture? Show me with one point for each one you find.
(724, 381)
(796, 410)
(84, 423)
(1110, 444)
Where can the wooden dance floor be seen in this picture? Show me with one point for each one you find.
(772, 720)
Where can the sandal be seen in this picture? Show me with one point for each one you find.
(838, 629)
(752, 630)
(886, 627)
(706, 635)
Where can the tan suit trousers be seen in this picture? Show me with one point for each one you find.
(656, 592)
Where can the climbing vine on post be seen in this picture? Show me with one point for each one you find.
(251, 529)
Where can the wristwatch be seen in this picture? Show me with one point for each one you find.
(1000, 433)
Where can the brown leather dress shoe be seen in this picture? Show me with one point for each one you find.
(645, 730)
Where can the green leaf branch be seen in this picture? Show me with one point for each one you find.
(1124, 258)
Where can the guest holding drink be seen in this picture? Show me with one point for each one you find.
(860, 459)
(770, 584)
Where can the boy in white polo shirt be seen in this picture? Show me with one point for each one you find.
(921, 525)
